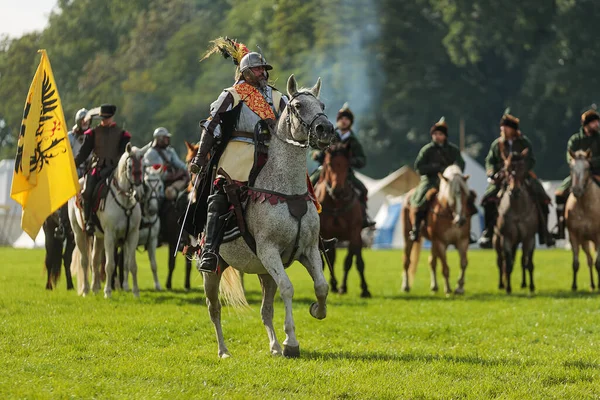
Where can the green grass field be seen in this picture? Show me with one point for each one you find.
(484, 344)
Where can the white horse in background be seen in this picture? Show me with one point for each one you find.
(120, 222)
(152, 199)
(280, 237)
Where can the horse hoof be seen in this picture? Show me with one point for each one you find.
(459, 290)
(523, 285)
(48, 286)
(291, 351)
(168, 286)
(366, 294)
(435, 289)
(574, 288)
(405, 289)
(276, 353)
(342, 290)
(136, 294)
(158, 288)
(70, 287)
(224, 356)
(314, 311)
(107, 295)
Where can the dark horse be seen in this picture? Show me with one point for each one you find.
(517, 222)
(341, 217)
(59, 250)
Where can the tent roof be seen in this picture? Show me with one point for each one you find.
(395, 184)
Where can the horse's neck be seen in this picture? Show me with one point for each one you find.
(285, 170)
(124, 186)
(591, 196)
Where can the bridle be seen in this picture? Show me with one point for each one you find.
(583, 178)
(308, 126)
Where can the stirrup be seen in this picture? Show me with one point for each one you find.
(90, 228)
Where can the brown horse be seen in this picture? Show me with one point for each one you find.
(341, 217)
(448, 223)
(582, 213)
(517, 222)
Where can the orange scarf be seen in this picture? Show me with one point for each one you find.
(255, 100)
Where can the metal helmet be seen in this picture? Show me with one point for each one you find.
(161, 132)
(252, 60)
(80, 115)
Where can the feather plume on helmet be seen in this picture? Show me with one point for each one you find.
(511, 121)
(228, 48)
(440, 126)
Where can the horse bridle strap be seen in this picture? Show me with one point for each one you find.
(308, 126)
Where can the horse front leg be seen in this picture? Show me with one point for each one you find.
(360, 266)
(269, 288)
(433, 257)
(271, 259)
(590, 261)
(463, 247)
(130, 263)
(347, 267)
(330, 253)
(405, 273)
(508, 267)
(68, 258)
(441, 250)
(99, 246)
(153, 264)
(172, 259)
(527, 260)
(313, 263)
(109, 266)
(211, 290)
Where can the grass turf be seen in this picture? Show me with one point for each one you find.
(484, 344)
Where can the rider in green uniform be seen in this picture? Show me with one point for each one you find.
(587, 138)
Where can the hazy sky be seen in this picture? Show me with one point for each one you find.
(22, 16)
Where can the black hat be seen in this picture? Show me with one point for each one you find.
(440, 126)
(345, 112)
(107, 110)
(589, 116)
(509, 120)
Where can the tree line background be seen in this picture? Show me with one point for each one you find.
(401, 65)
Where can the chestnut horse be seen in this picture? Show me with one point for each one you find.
(448, 223)
(341, 217)
(582, 213)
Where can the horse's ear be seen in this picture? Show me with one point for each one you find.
(316, 90)
(466, 177)
(588, 153)
(442, 177)
(292, 86)
(187, 145)
(525, 152)
(128, 148)
(572, 154)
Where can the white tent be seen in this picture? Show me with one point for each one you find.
(10, 211)
(25, 242)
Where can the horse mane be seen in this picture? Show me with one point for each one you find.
(447, 185)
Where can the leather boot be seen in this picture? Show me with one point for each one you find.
(367, 222)
(490, 216)
(215, 224)
(416, 229)
(544, 235)
(560, 218)
(87, 215)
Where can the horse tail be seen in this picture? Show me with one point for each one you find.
(77, 269)
(414, 260)
(232, 290)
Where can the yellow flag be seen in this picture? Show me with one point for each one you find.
(45, 176)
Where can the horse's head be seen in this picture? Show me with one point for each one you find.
(336, 167)
(515, 168)
(305, 122)
(154, 190)
(130, 169)
(455, 191)
(192, 149)
(580, 171)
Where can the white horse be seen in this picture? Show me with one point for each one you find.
(154, 194)
(120, 220)
(280, 238)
